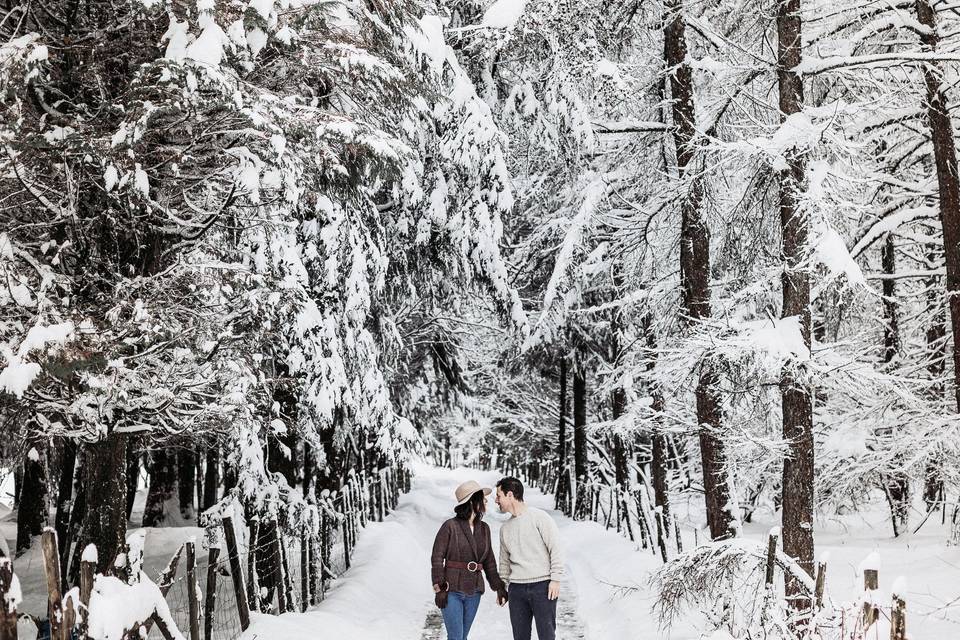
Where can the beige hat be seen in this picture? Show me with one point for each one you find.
(469, 488)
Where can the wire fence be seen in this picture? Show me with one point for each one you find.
(282, 570)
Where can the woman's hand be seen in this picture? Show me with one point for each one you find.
(441, 599)
(502, 596)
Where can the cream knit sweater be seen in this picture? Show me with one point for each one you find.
(530, 548)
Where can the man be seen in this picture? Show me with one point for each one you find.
(531, 563)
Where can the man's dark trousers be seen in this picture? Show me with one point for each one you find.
(529, 602)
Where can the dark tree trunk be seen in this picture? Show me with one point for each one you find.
(948, 182)
(133, 474)
(211, 477)
(580, 469)
(105, 477)
(659, 445)
(32, 514)
(163, 480)
(796, 395)
(68, 464)
(897, 483)
(936, 335)
(948, 185)
(618, 405)
(308, 464)
(695, 273)
(563, 472)
(186, 481)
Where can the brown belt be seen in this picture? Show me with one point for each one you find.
(471, 566)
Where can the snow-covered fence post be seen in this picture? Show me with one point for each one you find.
(88, 566)
(771, 557)
(193, 597)
(304, 570)
(658, 515)
(871, 581)
(51, 566)
(9, 598)
(210, 602)
(236, 572)
(820, 584)
(253, 587)
(287, 581)
(898, 611)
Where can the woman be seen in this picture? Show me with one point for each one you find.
(461, 549)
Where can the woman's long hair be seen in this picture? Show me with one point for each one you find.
(477, 505)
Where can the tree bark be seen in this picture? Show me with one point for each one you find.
(32, 514)
(211, 477)
(896, 483)
(580, 470)
(163, 479)
(68, 464)
(936, 364)
(133, 473)
(695, 272)
(797, 404)
(659, 446)
(948, 182)
(186, 481)
(563, 472)
(105, 477)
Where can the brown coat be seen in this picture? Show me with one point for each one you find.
(453, 543)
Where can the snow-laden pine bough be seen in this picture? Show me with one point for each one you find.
(736, 585)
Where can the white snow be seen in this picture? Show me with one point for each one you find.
(89, 554)
(208, 47)
(110, 178)
(503, 14)
(116, 607)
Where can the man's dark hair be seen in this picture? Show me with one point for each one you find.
(511, 485)
(477, 505)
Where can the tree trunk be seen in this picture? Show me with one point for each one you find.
(104, 522)
(32, 514)
(936, 363)
(563, 472)
(897, 483)
(945, 156)
(308, 464)
(211, 477)
(68, 464)
(133, 473)
(580, 439)
(163, 479)
(659, 445)
(796, 395)
(695, 273)
(186, 482)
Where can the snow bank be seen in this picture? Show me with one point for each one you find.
(503, 14)
(116, 607)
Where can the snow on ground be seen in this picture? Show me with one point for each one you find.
(387, 593)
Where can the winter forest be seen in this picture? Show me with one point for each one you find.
(277, 275)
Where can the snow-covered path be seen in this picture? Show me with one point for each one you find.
(387, 594)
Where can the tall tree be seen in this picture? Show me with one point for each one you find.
(695, 270)
(796, 397)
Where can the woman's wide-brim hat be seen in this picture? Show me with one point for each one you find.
(467, 489)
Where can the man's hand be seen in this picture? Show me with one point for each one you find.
(553, 590)
(502, 596)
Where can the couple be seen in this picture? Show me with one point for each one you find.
(530, 562)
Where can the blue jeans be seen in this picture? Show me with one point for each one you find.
(459, 613)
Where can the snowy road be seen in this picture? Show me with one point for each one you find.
(387, 594)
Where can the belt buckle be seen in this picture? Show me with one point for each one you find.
(474, 568)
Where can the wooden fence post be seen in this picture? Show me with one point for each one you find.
(8, 606)
(871, 581)
(210, 602)
(898, 616)
(193, 604)
(820, 583)
(51, 566)
(658, 514)
(304, 571)
(285, 572)
(236, 572)
(88, 566)
(771, 559)
(253, 581)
